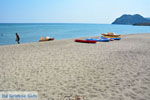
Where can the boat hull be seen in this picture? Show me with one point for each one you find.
(43, 40)
(84, 41)
(111, 35)
(114, 38)
(99, 40)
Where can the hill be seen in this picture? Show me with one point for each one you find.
(131, 19)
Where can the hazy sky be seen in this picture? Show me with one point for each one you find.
(70, 11)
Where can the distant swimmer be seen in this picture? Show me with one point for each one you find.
(17, 38)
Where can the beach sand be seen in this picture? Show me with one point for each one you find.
(116, 70)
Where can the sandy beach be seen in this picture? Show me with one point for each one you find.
(116, 70)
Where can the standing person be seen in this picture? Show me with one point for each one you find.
(17, 38)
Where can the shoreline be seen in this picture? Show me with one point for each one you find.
(66, 39)
(115, 70)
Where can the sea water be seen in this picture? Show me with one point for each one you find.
(31, 32)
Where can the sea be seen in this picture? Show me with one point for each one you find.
(31, 32)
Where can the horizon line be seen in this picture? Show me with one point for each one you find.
(50, 23)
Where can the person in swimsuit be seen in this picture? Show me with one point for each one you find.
(17, 38)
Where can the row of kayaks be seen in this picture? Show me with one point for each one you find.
(105, 38)
(94, 40)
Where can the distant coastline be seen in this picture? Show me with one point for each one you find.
(142, 24)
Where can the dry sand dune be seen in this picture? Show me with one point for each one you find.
(117, 70)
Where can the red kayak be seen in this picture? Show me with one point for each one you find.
(84, 41)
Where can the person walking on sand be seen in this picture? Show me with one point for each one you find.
(17, 38)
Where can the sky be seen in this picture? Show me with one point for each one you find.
(69, 11)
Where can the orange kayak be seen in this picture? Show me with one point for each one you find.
(44, 39)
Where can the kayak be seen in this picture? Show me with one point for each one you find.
(114, 38)
(111, 35)
(99, 40)
(85, 41)
(44, 39)
(106, 38)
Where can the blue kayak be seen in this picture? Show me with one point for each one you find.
(99, 40)
(116, 38)
(110, 38)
